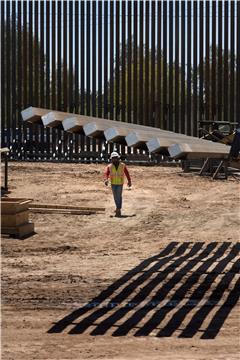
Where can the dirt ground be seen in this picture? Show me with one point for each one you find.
(159, 283)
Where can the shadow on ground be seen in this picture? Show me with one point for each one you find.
(188, 288)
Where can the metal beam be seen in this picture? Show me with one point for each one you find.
(33, 115)
(194, 151)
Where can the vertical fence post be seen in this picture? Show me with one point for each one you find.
(19, 77)
(14, 79)
(88, 61)
(170, 97)
(94, 58)
(42, 60)
(165, 70)
(82, 53)
(36, 128)
(76, 74)
(189, 68)
(135, 63)
(232, 63)
(123, 61)
(140, 113)
(219, 117)
(88, 68)
(25, 57)
(59, 59)
(30, 77)
(238, 65)
(3, 74)
(213, 59)
(152, 99)
(105, 59)
(100, 59)
(8, 76)
(146, 64)
(65, 56)
(207, 74)
(53, 53)
(176, 95)
(226, 75)
(129, 64)
(82, 59)
(117, 47)
(200, 108)
(195, 65)
(159, 65)
(53, 73)
(182, 67)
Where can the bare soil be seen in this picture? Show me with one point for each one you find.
(159, 283)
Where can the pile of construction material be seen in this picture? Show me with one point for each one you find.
(155, 140)
(15, 214)
(15, 217)
(64, 209)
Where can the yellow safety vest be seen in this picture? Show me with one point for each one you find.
(117, 175)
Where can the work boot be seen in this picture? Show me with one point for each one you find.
(118, 213)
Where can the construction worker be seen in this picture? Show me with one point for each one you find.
(115, 172)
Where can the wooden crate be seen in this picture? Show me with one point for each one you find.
(14, 217)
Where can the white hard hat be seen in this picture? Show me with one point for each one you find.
(114, 155)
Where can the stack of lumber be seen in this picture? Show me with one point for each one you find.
(14, 217)
(64, 209)
(155, 140)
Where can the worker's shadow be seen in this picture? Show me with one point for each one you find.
(123, 216)
(174, 291)
(127, 216)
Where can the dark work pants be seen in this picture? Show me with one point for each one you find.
(117, 195)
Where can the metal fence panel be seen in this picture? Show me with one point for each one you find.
(170, 64)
